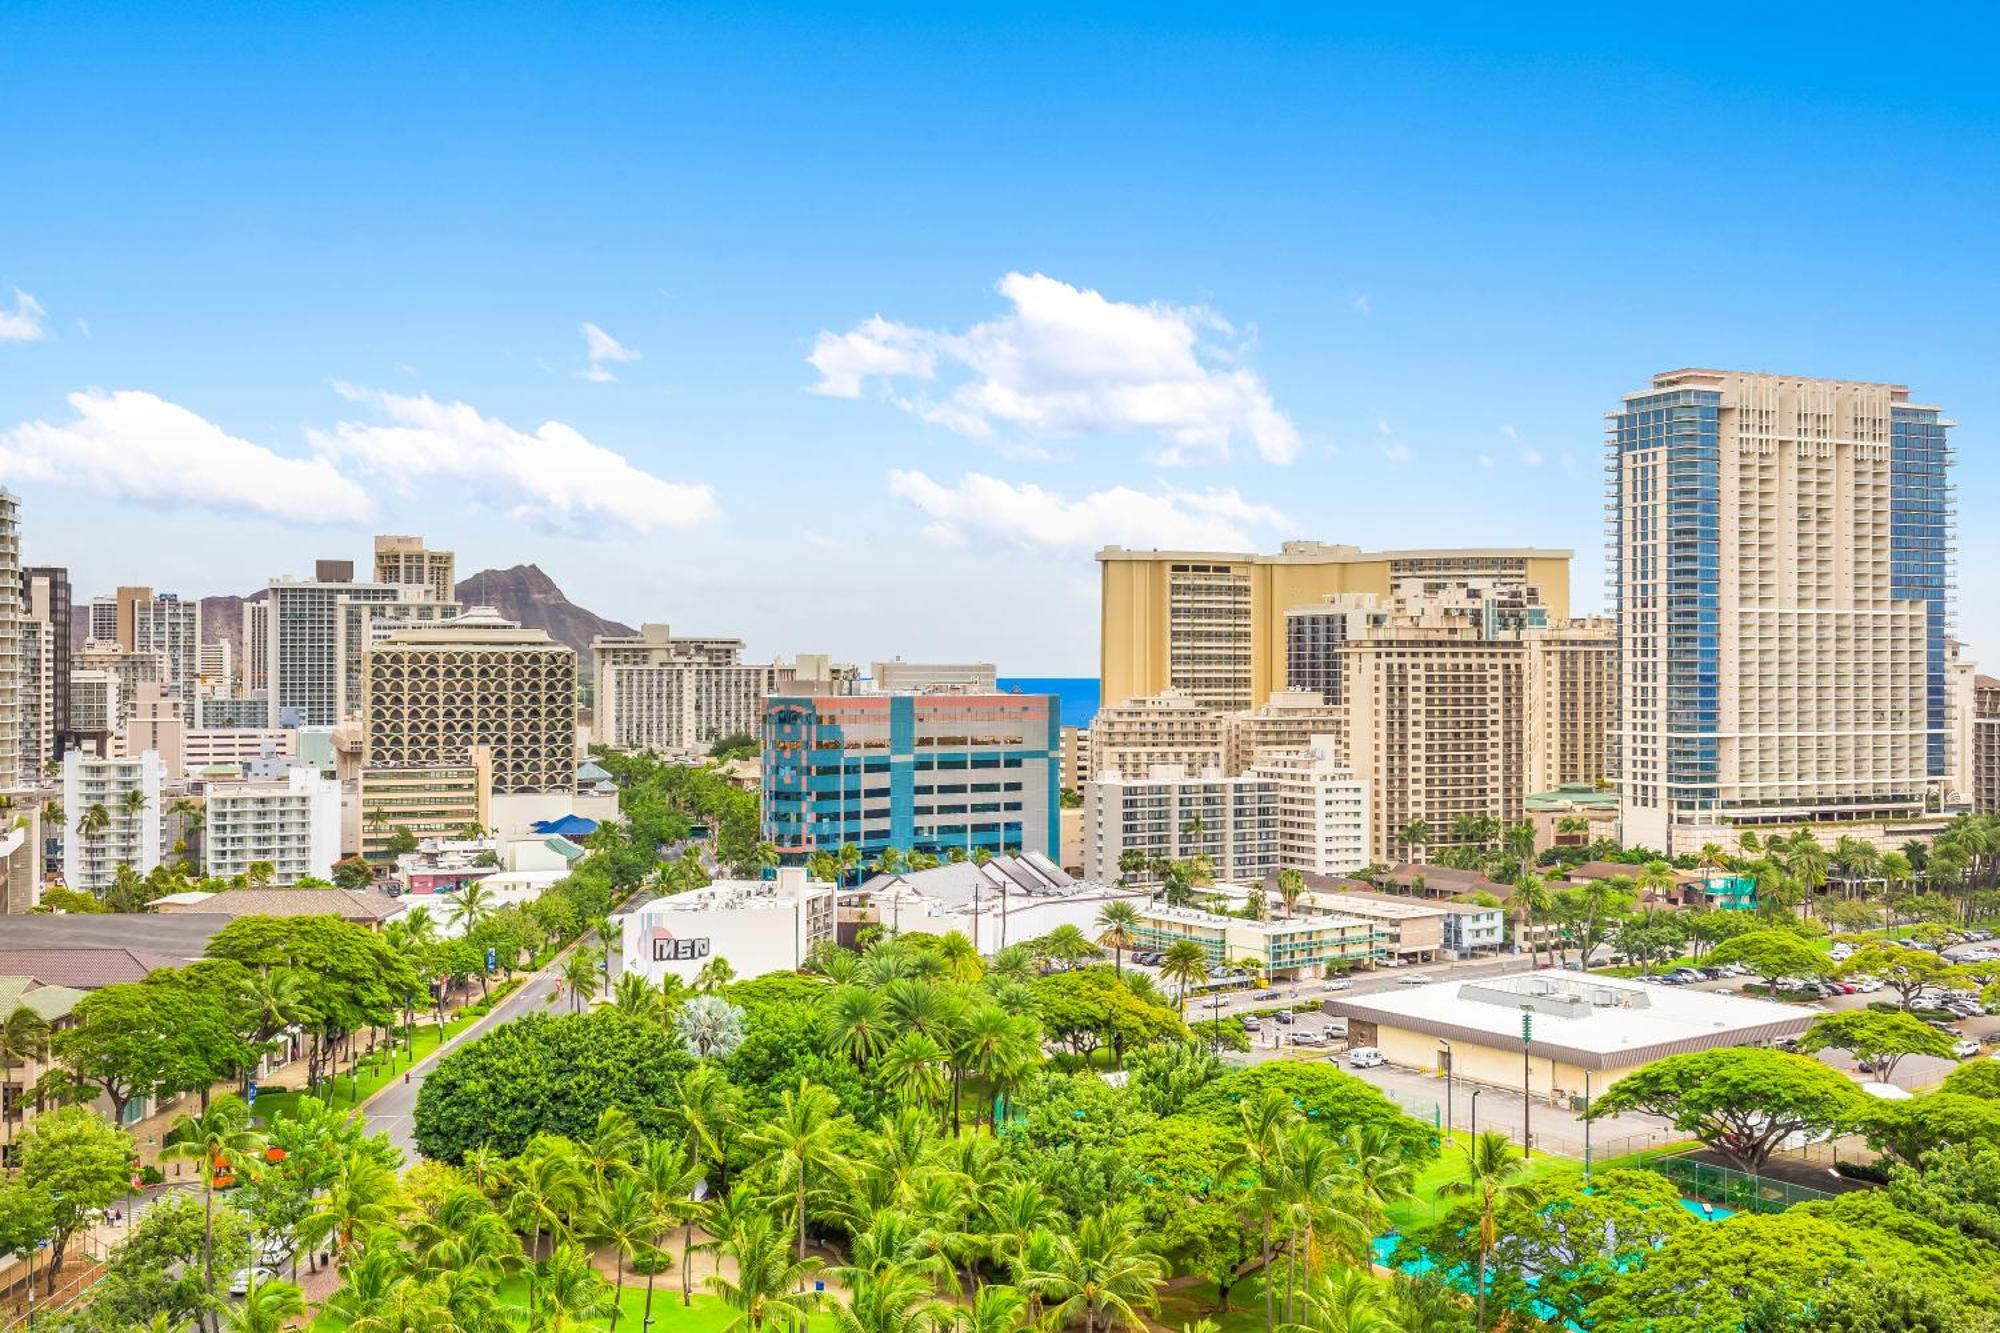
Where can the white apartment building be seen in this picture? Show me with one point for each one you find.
(171, 627)
(1298, 810)
(758, 925)
(1780, 554)
(257, 646)
(215, 667)
(1287, 721)
(104, 619)
(1170, 729)
(131, 668)
(38, 699)
(95, 704)
(315, 640)
(294, 825)
(207, 749)
(127, 790)
(676, 696)
(46, 658)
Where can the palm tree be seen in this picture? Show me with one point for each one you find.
(135, 802)
(475, 903)
(769, 1286)
(714, 975)
(671, 1177)
(1101, 1273)
(800, 1146)
(1347, 1300)
(859, 1023)
(894, 1299)
(961, 960)
(1493, 1181)
(1711, 857)
(1264, 1124)
(267, 1309)
(1531, 899)
(1291, 888)
(1414, 834)
(221, 1143)
(361, 1199)
(626, 1215)
(706, 1118)
(24, 1037)
(999, 1048)
(1184, 963)
(582, 975)
(572, 1294)
(1315, 1189)
(1117, 924)
(914, 1066)
(709, 1026)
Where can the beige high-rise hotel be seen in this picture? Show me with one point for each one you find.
(1779, 559)
(1213, 623)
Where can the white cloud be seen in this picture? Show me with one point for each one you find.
(604, 350)
(554, 478)
(1066, 360)
(986, 509)
(1510, 432)
(1397, 452)
(134, 446)
(1532, 457)
(24, 323)
(1362, 306)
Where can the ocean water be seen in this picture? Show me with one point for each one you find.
(1077, 694)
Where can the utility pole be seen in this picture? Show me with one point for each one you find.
(1527, 1036)
(1586, 1126)
(1447, 1086)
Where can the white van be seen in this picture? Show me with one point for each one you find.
(1364, 1057)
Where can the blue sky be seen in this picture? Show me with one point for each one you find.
(1372, 277)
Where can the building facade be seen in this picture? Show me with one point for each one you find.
(1281, 949)
(171, 627)
(1986, 745)
(757, 926)
(131, 669)
(256, 668)
(404, 562)
(1214, 623)
(46, 601)
(127, 792)
(676, 696)
(294, 825)
(1779, 559)
(430, 800)
(934, 772)
(303, 628)
(479, 680)
(1169, 729)
(14, 704)
(1572, 702)
(1288, 721)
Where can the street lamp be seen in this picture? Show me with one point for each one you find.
(1475, 1116)
(1447, 1085)
(1586, 1126)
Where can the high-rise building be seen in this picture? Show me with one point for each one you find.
(677, 696)
(1171, 728)
(171, 627)
(900, 677)
(361, 624)
(257, 644)
(96, 711)
(13, 616)
(47, 603)
(1779, 558)
(131, 669)
(312, 646)
(429, 800)
(293, 824)
(435, 692)
(1289, 720)
(1986, 746)
(1572, 717)
(403, 561)
(1214, 623)
(1436, 725)
(127, 792)
(215, 667)
(929, 772)
(1297, 809)
(104, 619)
(155, 723)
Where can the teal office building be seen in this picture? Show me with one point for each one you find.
(933, 772)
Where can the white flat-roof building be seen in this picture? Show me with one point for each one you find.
(758, 925)
(1290, 947)
(1008, 900)
(1578, 1022)
(293, 824)
(128, 791)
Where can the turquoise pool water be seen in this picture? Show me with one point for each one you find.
(1416, 1265)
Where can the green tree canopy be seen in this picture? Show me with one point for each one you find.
(1739, 1100)
(1772, 954)
(1875, 1038)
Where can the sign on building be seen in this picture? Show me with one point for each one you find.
(680, 951)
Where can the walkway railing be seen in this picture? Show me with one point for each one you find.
(1738, 1191)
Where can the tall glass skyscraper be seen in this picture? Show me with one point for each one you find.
(1779, 556)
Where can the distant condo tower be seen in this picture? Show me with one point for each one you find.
(1779, 559)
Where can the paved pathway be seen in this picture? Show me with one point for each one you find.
(390, 1111)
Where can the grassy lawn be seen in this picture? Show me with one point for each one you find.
(1450, 1166)
(379, 1069)
(1181, 1307)
(706, 1315)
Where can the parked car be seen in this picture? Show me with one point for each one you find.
(1337, 983)
(1283, 1016)
(1868, 985)
(1964, 1048)
(1364, 1057)
(1265, 995)
(239, 1285)
(1943, 1026)
(1414, 979)
(1251, 1024)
